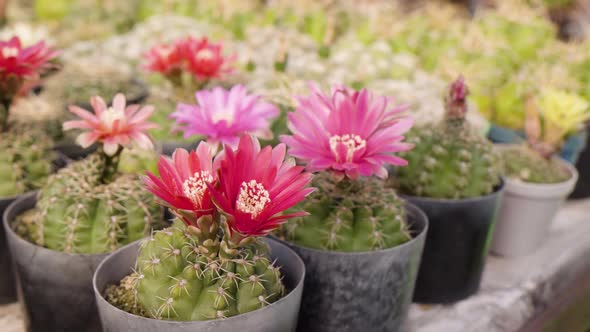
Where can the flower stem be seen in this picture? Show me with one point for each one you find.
(111, 166)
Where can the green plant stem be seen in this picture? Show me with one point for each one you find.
(4, 115)
(111, 166)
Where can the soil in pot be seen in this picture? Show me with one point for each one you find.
(456, 247)
(126, 315)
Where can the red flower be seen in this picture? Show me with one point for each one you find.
(256, 186)
(205, 59)
(183, 180)
(165, 58)
(24, 62)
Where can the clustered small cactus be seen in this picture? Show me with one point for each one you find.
(549, 118)
(211, 263)
(450, 160)
(25, 160)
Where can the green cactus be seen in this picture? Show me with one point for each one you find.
(78, 213)
(350, 216)
(522, 162)
(449, 160)
(25, 160)
(187, 273)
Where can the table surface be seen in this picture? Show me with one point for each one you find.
(512, 291)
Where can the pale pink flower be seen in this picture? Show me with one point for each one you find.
(113, 126)
(223, 116)
(349, 132)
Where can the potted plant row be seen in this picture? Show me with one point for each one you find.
(25, 150)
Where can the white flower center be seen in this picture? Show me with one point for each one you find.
(195, 186)
(165, 51)
(351, 143)
(205, 54)
(253, 198)
(110, 115)
(226, 114)
(8, 52)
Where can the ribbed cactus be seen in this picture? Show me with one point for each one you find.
(25, 160)
(522, 162)
(449, 159)
(187, 273)
(347, 215)
(78, 213)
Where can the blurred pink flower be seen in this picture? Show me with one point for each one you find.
(222, 116)
(349, 132)
(114, 126)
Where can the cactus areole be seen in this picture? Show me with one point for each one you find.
(210, 264)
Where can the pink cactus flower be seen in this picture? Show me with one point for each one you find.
(349, 132)
(114, 126)
(257, 185)
(183, 180)
(24, 62)
(205, 59)
(222, 116)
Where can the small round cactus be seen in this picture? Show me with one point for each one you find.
(350, 216)
(449, 160)
(187, 273)
(25, 160)
(523, 163)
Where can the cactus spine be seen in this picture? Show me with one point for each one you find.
(350, 215)
(449, 160)
(191, 273)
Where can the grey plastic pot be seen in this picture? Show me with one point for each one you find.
(361, 291)
(55, 288)
(7, 280)
(526, 213)
(280, 316)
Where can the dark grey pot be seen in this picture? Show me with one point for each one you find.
(168, 147)
(7, 280)
(457, 245)
(361, 291)
(280, 316)
(7, 284)
(55, 288)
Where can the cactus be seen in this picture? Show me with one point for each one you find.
(77, 213)
(187, 273)
(449, 160)
(350, 216)
(524, 163)
(25, 160)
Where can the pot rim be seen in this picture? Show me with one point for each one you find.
(10, 232)
(16, 197)
(408, 205)
(498, 189)
(100, 297)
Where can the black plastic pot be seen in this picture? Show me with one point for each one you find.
(456, 246)
(280, 316)
(55, 288)
(7, 285)
(168, 147)
(361, 291)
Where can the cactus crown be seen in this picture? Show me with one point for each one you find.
(449, 160)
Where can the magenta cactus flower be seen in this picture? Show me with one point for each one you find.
(349, 132)
(223, 116)
(114, 126)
